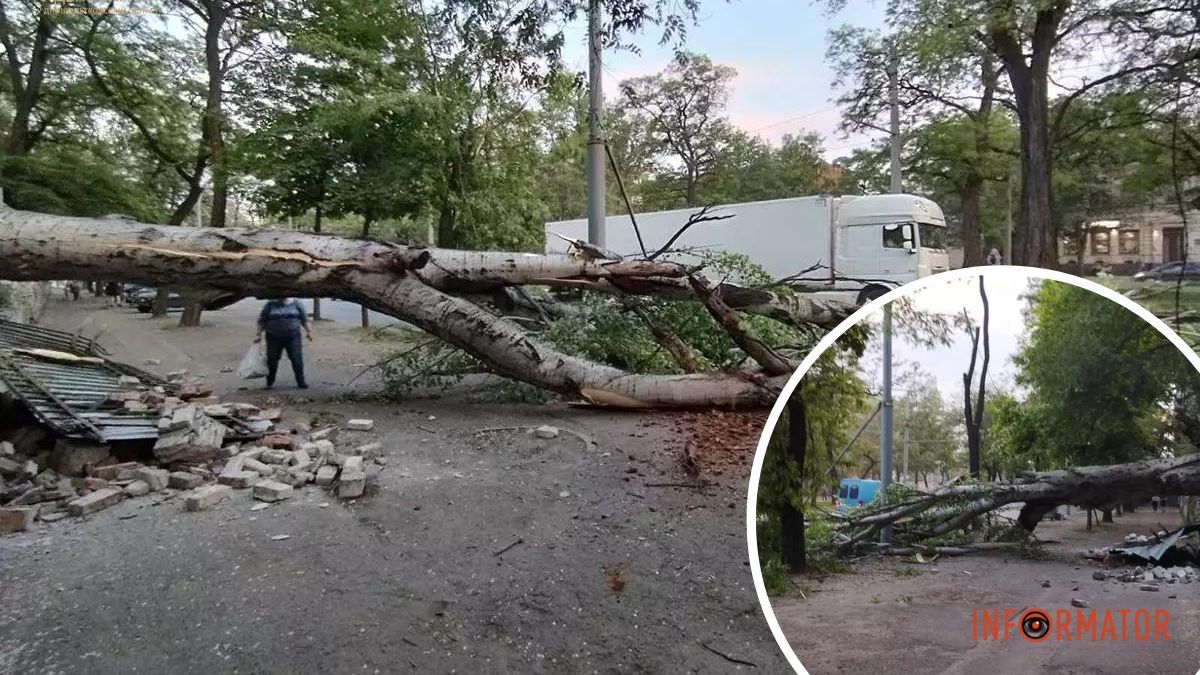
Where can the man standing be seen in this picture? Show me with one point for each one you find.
(994, 257)
(281, 321)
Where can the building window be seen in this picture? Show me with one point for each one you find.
(1100, 242)
(1128, 242)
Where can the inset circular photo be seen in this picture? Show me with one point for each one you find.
(990, 470)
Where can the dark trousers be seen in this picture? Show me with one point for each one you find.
(294, 346)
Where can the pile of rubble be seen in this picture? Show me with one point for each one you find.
(205, 448)
(1152, 575)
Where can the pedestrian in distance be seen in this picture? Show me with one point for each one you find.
(994, 257)
(73, 289)
(282, 321)
(112, 293)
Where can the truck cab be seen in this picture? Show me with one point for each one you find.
(856, 492)
(887, 240)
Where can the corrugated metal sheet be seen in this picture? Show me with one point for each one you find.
(68, 396)
(13, 334)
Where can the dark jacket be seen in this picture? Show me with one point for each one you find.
(280, 319)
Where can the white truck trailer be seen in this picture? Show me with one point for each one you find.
(864, 246)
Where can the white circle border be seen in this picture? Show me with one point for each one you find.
(826, 342)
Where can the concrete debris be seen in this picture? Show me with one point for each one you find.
(1078, 603)
(156, 479)
(272, 491)
(275, 456)
(546, 431)
(207, 496)
(183, 480)
(260, 507)
(326, 475)
(352, 479)
(191, 454)
(113, 471)
(238, 479)
(95, 501)
(137, 488)
(321, 434)
(1148, 587)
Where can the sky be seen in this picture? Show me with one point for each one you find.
(947, 364)
(784, 84)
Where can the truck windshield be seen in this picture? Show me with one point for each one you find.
(933, 236)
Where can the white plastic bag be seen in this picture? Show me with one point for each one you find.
(254, 363)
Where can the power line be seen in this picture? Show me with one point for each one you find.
(793, 119)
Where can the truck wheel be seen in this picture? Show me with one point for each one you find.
(871, 293)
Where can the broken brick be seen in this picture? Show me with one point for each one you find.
(238, 479)
(95, 501)
(360, 425)
(182, 480)
(16, 518)
(112, 471)
(206, 496)
(272, 491)
(283, 441)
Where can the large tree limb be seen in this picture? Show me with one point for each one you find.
(381, 276)
(954, 507)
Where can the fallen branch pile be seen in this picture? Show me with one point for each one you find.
(423, 287)
(927, 515)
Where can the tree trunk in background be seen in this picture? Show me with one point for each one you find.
(792, 518)
(1033, 233)
(366, 232)
(316, 313)
(27, 94)
(397, 280)
(972, 231)
(213, 135)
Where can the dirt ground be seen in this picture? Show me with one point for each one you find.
(473, 551)
(880, 619)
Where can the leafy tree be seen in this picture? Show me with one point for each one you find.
(1104, 382)
(1153, 45)
(683, 110)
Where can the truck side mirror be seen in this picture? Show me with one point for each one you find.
(908, 246)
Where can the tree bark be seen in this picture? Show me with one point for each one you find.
(1033, 234)
(972, 232)
(316, 302)
(388, 278)
(956, 506)
(20, 142)
(366, 232)
(791, 517)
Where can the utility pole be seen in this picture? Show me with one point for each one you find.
(595, 150)
(893, 73)
(904, 471)
(885, 423)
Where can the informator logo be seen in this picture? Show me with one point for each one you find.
(1075, 624)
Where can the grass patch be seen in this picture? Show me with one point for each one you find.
(907, 572)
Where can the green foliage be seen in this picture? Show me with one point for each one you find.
(75, 182)
(1103, 381)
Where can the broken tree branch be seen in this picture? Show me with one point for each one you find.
(387, 278)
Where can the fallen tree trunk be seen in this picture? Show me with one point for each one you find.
(407, 283)
(954, 507)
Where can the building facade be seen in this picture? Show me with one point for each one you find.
(1134, 242)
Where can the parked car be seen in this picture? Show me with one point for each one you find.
(145, 301)
(134, 292)
(856, 492)
(1169, 272)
